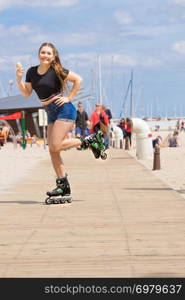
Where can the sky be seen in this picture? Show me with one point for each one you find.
(104, 41)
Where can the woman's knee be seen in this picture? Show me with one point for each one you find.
(55, 147)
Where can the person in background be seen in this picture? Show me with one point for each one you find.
(107, 134)
(128, 130)
(157, 141)
(19, 138)
(182, 126)
(98, 116)
(122, 125)
(99, 121)
(178, 125)
(108, 112)
(27, 134)
(81, 129)
(5, 132)
(173, 141)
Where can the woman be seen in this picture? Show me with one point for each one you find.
(48, 80)
(128, 130)
(174, 139)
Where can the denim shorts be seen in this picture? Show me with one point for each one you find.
(66, 112)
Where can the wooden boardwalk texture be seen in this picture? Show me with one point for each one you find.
(123, 222)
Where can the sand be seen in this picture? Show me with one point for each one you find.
(172, 162)
(16, 163)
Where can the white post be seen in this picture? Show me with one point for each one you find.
(144, 149)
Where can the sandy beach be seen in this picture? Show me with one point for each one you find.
(16, 163)
(172, 162)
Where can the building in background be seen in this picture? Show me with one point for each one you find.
(30, 106)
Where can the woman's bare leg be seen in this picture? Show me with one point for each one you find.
(58, 140)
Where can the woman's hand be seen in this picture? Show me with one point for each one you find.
(62, 100)
(19, 71)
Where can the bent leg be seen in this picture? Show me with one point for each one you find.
(58, 139)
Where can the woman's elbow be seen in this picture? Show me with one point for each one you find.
(79, 80)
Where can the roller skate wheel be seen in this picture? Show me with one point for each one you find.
(62, 201)
(69, 200)
(48, 201)
(56, 201)
(104, 156)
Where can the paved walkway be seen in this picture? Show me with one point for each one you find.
(124, 222)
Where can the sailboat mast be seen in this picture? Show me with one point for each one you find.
(99, 73)
(131, 100)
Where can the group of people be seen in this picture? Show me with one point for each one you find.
(172, 140)
(126, 126)
(98, 120)
(32, 139)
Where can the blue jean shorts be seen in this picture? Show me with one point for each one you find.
(66, 112)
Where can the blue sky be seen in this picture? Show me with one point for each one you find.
(145, 36)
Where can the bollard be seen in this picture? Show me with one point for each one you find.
(121, 144)
(156, 161)
(127, 143)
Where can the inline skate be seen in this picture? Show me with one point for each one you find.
(61, 194)
(95, 142)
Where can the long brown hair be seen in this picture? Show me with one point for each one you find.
(56, 65)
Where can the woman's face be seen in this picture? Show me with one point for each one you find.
(46, 55)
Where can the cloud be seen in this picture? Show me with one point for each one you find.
(87, 57)
(120, 60)
(9, 62)
(179, 47)
(123, 17)
(15, 31)
(37, 3)
(182, 2)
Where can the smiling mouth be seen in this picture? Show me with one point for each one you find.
(45, 59)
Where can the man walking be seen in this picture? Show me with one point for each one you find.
(81, 122)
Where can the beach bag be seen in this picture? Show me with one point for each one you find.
(103, 126)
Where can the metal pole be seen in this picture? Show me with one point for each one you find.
(131, 102)
(23, 130)
(99, 71)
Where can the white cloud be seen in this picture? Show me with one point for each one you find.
(120, 59)
(179, 47)
(15, 31)
(9, 62)
(150, 62)
(4, 4)
(84, 38)
(123, 17)
(179, 2)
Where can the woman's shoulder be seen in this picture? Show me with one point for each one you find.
(32, 69)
